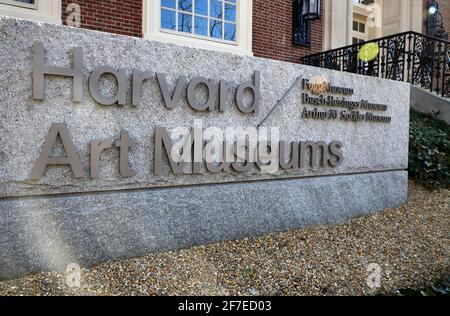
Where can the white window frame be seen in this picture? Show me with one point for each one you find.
(33, 6)
(48, 11)
(151, 25)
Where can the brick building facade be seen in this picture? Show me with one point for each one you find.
(445, 8)
(272, 25)
(272, 31)
(119, 17)
(266, 26)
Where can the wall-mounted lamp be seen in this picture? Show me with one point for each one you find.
(433, 7)
(311, 9)
(434, 23)
(304, 11)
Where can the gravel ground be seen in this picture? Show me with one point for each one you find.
(410, 243)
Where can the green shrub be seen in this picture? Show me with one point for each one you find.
(429, 151)
(440, 288)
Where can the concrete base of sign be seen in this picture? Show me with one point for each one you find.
(49, 232)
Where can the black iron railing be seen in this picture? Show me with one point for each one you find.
(412, 57)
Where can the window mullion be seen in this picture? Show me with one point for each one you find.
(223, 20)
(176, 16)
(209, 19)
(193, 16)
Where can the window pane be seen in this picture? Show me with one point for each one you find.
(362, 27)
(201, 7)
(185, 5)
(185, 23)
(201, 26)
(230, 12)
(230, 32)
(355, 26)
(216, 29)
(209, 18)
(216, 9)
(168, 3)
(167, 19)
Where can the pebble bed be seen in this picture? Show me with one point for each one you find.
(410, 244)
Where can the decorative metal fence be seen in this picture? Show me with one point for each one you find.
(412, 57)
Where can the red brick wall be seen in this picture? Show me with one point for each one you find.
(272, 31)
(272, 25)
(444, 8)
(114, 16)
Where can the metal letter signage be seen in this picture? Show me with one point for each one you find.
(119, 75)
(40, 70)
(244, 155)
(217, 89)
(45, 160)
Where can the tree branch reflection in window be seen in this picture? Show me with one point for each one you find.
(203, 18)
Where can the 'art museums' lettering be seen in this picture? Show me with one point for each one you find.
(229, 157)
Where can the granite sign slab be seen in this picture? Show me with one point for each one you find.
(101, 116)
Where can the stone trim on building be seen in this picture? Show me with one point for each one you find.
(48, 11)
